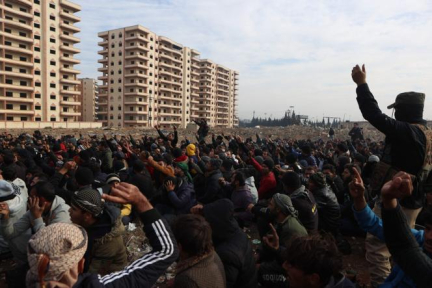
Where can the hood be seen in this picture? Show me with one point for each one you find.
(220, 215)
(108, 226)
(190, 150)
(298, 192)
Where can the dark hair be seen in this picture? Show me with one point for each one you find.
(9, 173)
(330, 167)
(8, 158)
(194, 234)
(45, 189)
(138, 166)
(84, 176)
(291, 180)
(427, 216)
(315, 254)
(240, 177)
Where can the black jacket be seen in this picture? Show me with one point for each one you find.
(404, 248)
(328, 209)
(145, 271)
(212, 190)
(304, 202)
(405, 144)
(231, 244)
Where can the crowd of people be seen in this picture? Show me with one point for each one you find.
(65, 202)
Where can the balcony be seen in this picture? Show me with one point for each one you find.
(137, 47)
(70, 103)
(103, 52)
(71, 6)
(70, 16)
(16, 24)
(16, 87)
(70, 92)
(103, 69)
(169, 90)
(17, 49)
(136, 65)
(70, 81)
(70, 60)
(136, 93)
(70, 113)
(136, 112)
(70, 27)
(135, 121)
(136, 37)
(17, 112)
(16, 12)
(70, 49)
(17, 37)
(69, 70)
(136, 84)
(137, 56)
(16, 74)
(103, 43)
(16, 99)
(139, 103)
(170, 98)
(138, 75)
(103, 78)
(17, 62)
(70, 38)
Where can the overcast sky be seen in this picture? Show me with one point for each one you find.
(288, 53)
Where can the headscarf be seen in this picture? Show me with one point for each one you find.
(283, 202)
(53, 254)
(190, 150)
(184, 167)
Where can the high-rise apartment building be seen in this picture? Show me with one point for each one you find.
(88, 98)
(150, 79)
(37, 76)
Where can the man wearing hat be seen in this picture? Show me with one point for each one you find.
(405, 150)
(106, 252)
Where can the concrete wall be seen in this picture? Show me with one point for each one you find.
(41, 125)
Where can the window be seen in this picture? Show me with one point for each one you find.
(8, 56)
(52, 29)
(37, 14)
(24, 59)
(9, 81)
(53, 63)
(53, 52)
(53, 108)
(23, 95)
(37, 49)
(9, 106)
(119, 89)
(53, 97)
(52, 74)
(37, 37)
(37, 95)
(38, 107)
(65, 109)
(7, 68)
(52, 119)
(37, 60)
(7, 30)
(23, 46)
(38, 84)
(111, 117)
(38, 119)
(36, 2)
(52, 17)
(52, 5)
(53, 85)
(65, 119)
(23, 107)
(52, 40)
(36, 25)
(8, 43)
(9, 94)
(37, 72)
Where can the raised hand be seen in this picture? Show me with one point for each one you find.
(357, 191)
(399, 187)
(272, 240)
(125, 193)
(197, 209)
(169, 186)
(4, 210)
(359, 74)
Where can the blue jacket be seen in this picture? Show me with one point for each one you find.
(183, 198)
(370, 222)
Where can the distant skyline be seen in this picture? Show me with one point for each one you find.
(288, 53)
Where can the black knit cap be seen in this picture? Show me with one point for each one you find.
(88, 200)
(84, 176)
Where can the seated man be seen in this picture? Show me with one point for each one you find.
(106, 251)
(287, 225)
(17, 204)
(199, 265)
(113, 180)
(302, 200)
(45, 208)
(66, 269)
(370, 222)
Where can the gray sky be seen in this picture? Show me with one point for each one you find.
(288, 53)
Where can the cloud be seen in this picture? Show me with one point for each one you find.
(288, 53)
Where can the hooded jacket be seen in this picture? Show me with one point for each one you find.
(106, 251)
(183, 198)
(59, 213)
(231, 244)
